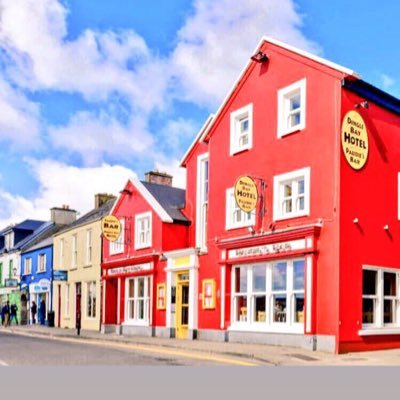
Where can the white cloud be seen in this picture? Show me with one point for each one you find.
(62, 184)
(179, 131)
(19, 118)
(216, 42)
(387, 81)
(96, 137)
(95, 64)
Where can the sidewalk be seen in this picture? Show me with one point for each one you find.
(262, 354)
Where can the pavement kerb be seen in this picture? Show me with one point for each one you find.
(137, 341)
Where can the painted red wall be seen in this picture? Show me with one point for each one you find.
(316, 147)
(371, 195)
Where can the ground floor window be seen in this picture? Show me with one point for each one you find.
(380, 298)
(138, 300)
(91, 299)
(268, 294)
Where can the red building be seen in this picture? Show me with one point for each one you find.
(133, 268)
(316, 264)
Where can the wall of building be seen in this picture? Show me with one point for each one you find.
(370, 195)
(83, 273)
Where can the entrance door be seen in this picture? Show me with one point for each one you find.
(182, 305)
(78, 315)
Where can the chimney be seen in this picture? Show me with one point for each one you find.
(62, 215)
(162, 178)
(101, 198)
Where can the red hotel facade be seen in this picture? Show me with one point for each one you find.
(317, 263)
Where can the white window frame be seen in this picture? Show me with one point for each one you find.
(379, 327)
(118, 246)
(284, 112)
(247, 219)
(129, 301)
(74, 250)
(279, 184)
(67, 299)
(89, 247)
(28, 266)
(202, 201)
(237, 116)
(139, 244)
(249, 323)
(91, 288)
(61, 260)
(41, 256)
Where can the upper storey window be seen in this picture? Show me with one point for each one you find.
(241, 129)
(143, 231)
(118, 246)
(292, 194)
(292, 108)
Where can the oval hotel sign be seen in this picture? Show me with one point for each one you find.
(246, 194)
(354, 139)
(111, 227)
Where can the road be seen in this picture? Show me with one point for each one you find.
(16, 350)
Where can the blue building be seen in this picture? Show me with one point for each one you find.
(36, 276)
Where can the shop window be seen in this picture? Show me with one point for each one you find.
(138, 300)
(235, 217)
(269, 295)
(202, 201)
(380, 298)
(143, 231)
(91, 299)
(28, 266)
(41, 263)
(241, 129)
(292, 108)
(118, 246)
(292, 194)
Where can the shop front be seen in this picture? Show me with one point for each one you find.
(182, 293)
(269, 283)
(128, 299)
(40, 293)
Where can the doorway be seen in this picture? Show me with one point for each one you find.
(78, 315)
(182, 305)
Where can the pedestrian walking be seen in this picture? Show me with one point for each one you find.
(13, 313)
(6, 311)
(42, 312)
(2, 315)
(33, 312)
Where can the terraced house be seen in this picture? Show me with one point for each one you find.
(77, 256)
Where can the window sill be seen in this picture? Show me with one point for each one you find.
(285, 217)
(234, 152)
(87, 266)
(295, 129)
(263, 327)
(379, 331)
(146, 246)
(41, 272)
(230, 228)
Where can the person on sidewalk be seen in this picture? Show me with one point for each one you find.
(13, 313)
(33, 312)
(42, 312)
(6, 311)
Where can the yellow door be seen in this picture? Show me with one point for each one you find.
(182, 306)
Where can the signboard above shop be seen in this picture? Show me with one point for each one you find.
(11, 282)
(111, 228)
(246, 195)
(60, 275)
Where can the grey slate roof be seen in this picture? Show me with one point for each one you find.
(42, 239)
(91, 216)
(171, 199)
(28, 224)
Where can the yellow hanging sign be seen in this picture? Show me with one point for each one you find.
(111, 227)
(354, 139)
(246, 195)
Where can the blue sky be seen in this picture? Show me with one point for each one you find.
(94, 91)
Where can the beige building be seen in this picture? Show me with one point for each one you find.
(77, 269)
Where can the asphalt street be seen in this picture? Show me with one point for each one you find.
(18, 350)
